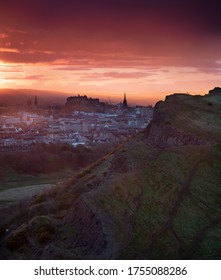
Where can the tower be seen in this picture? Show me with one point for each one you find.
(125, 101)
(36, 101)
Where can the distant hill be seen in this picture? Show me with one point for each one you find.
(156, 197)
(19, 97)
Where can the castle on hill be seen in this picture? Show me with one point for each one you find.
(83, 103)
(82, 100)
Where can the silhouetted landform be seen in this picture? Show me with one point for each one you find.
(83, 103)
(156, 197)
(215, 91)
(19, 97)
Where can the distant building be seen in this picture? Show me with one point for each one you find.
(36, 101)
(82, 101)
(125, 101)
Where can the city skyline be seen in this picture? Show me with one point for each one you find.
(105, 48)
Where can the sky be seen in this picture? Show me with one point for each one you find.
(147, 49)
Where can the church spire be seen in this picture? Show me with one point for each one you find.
(125, 101)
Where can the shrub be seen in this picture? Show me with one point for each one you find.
(45, 233)
(16, 239)
(44, 237)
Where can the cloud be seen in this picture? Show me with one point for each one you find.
(82, 35)
(72, 68)
(3, 36)
(16, 56)
(127, 75)
(8, 50)
(35, 77)
(4, 68)
(14, 30)
(212, 71)
(31, 77)
(115, 75)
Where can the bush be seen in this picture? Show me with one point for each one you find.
(16, 239)
(45, 233)
(48, 158)
(44, 237)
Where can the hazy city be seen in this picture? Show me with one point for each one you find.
(85, 126)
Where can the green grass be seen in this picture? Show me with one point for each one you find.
(16, 181)
(195, 116)
(189, 221)
(210, 247)
(162, 179)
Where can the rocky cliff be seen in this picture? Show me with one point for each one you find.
(156, 197)
(185, 120)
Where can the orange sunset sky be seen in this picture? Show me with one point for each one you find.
(147, 49)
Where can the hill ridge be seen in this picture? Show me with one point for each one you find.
(155, 197)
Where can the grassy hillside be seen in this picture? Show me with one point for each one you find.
(50, 164)
(156, 197)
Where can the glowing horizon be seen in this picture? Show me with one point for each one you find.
(144, 49)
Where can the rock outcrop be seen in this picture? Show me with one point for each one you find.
(170, 125)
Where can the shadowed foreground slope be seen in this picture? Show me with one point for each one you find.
(156, 197)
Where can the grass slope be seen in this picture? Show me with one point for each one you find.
(139, 202)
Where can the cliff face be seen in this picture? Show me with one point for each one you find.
(156, 197)
(185, 120)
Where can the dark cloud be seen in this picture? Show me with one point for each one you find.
(112, 33)
(28, 57)
(56, 12)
